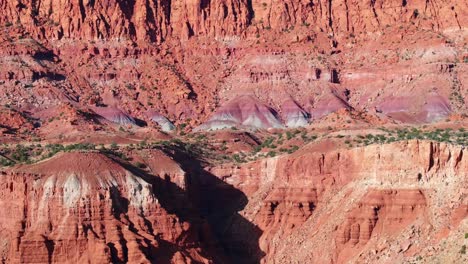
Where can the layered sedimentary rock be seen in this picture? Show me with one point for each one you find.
(188, 61)
(405, 109)
(162, 121)
(244, 111)
(86, 207)
(93, 53)
(380, 212)
(337, 203)
(293, 115)
(158, 20)
(327, 105)
(114, 115)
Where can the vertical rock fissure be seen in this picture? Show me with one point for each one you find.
(330, 18)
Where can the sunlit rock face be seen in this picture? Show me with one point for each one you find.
(162, 121)
(245, 111)
(293, 115)
(114, 115)
(93, 208)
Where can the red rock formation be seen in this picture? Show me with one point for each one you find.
(88, 52)
(243, 111)
(329, 200)
(326, 106)
(380, 212)
(189, 60)
(158, 20)
(85, 207)
(288, 207)
(293, 114)
(161, 120)
(114, 115)
(12, 121)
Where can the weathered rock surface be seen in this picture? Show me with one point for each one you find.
(114, 115)
(294, 115)
(244, 111)
(158, 20)
(209, 52)
(213, 64)
(86, 207)
(380, 212)
(341, 205)
(165, 124)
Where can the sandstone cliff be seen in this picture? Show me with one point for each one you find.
(86, 207)
(345, 205)
(156, 21)
(186, 59)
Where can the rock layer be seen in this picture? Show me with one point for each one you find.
(158, 20)
(338, 203)
(86, 207)
(244, 111)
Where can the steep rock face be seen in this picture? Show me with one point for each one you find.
(283, 210)
(351, 15)
(85, 207)
(143, 21)
(97, 53)
(289, 206)
(157, 20)
(90, 19)
(379, 212)
(326, 199)
(209, 17)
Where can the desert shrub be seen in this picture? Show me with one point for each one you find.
(21, 153)
(237, 158)
(293, 149)
(271, 154)
(80, 146)
(268, 142)
(114, 146)
(6, 162)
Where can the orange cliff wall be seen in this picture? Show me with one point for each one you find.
(85, 207)
(156, 21)
(337, 203)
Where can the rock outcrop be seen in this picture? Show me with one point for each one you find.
(245, 111)
(380, 212)
(90, 53)
(159, 20)
(336, 203)
(257, 65)
(86, 207)
(294, 115)
(162, 121)
(114, 115)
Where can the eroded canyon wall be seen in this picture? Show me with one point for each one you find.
(155, 21)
